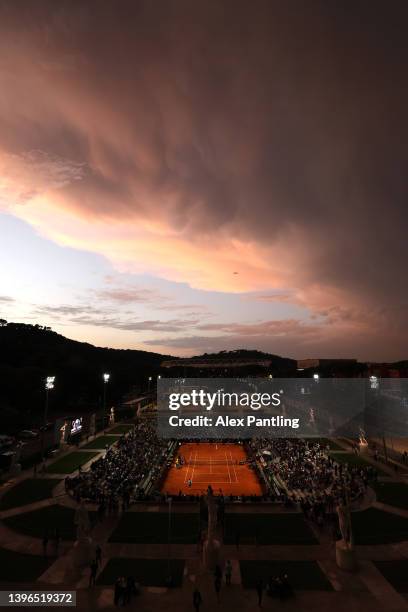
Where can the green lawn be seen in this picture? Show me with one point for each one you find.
(396, 572)
(70, 463)
(37, 522)
(302, 575)
(392, 493)
(267, 529)
(148, 572)
(121, 429)
(27, 492)
(101, 442)
(374, 526)
(152, 528)
(21, 568)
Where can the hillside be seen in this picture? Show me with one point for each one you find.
(29, 353)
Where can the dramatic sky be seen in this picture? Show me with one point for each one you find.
(188, 176)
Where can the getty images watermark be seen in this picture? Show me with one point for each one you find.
(205, 408)
(208, 401)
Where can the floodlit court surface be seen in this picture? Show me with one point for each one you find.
(223, 466)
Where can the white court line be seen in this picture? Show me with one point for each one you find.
(229, 473)
(188, 469)
(214, 482)
(235, 472)
(194, 466)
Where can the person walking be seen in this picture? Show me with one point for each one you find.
(228, 572)
(217, 586)
(117, 596)
(92, 577)
(98, 554)
(237, 539)
(57, 540)
(197, 600)
(259, 590)
(218, 572)
(45, 543)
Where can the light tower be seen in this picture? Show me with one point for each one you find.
(106, 378)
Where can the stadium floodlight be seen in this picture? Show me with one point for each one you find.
(374, 384)
(49, 382)
(106, 378)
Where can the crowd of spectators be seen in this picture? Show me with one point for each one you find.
(121, 475)
(295, 470)
(305, 472)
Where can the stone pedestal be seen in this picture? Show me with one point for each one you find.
(345, 557)
(211, 554)
(83, 552)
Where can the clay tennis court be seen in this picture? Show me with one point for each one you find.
(214, 464)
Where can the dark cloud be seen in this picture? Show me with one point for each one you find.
(278, 126)
(128, 295)
(173, 325)
(265, 328)
(70, 311)
(109, 318)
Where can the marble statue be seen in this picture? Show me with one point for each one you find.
(81, 520)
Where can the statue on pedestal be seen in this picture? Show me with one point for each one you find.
(343, 512)
(83, 549)
(212, 513)
(363, 444)
(212, 545)
(81, 520)
(112, 416)
(345, 552)
(362, 437)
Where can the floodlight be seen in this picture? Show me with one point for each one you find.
(49, 382)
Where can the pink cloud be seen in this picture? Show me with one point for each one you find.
(224, 158)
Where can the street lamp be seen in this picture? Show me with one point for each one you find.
(316, 377)
(49, 385)
(150, 380)
(169, 577)
(106, 378)
(374, 384)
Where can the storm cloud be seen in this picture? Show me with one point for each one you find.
(239, 147)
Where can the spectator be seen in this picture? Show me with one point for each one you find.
(45, 543)
(217, 586)
(94, 570)
(117, 597)
(98, 554)
(259, 591)
(197, 600)
(57, 540)
(228, 572)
